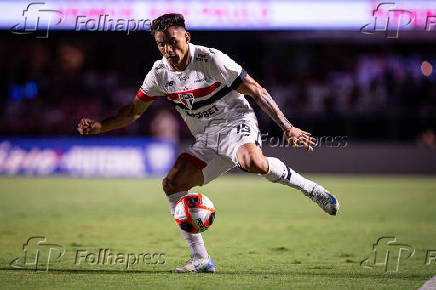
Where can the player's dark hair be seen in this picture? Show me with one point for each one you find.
(165, 21)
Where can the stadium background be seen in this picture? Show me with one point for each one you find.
(375, 93)
(336, 82)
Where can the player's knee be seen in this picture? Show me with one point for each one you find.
(166, 186)
(169, 187)
(255, 164)
(173, 185)
(259, 165)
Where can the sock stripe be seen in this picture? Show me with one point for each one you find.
(288, 177)
(280, 173)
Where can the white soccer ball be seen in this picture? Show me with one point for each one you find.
(194, 213)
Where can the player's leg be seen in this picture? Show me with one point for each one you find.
(198, 166)
(251, 159)
(184, 175)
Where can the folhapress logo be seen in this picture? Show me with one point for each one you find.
(389, 19)
(37, 19)
(387, 254)
(38, 254)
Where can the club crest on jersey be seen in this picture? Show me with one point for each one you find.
(187, 99)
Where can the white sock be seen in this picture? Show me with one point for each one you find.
(173, 199)
(280, 173)
(194, 241)
(196, 244)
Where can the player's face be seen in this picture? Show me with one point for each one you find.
(173, 44)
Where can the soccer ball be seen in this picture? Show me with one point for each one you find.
(194, 213)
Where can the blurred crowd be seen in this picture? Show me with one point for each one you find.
(364, 92)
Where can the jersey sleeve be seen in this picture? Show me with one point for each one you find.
(149, 91)
(227, 71)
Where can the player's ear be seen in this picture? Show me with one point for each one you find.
(188, 37)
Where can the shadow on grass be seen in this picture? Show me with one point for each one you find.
(368, 275)
(89, 271)
(373, 275)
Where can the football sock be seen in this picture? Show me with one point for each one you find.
(196, 244)
(174, 198)
(280, 173)
(194, 241)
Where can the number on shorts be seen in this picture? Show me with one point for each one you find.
(243, 129)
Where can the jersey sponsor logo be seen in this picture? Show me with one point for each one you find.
(204, 114)
(187, 99)
(200, 80)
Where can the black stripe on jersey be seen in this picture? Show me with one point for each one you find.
(239, 80)
(218, 95)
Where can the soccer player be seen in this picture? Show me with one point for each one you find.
(207, 88)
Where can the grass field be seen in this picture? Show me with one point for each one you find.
(265, 235)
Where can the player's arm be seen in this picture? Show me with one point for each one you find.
(125, 116)
(295, 136)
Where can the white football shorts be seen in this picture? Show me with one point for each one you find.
(215, 152)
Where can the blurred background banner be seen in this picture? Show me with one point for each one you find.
(215, 15)
(86, 157)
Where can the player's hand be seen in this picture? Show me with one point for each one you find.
(299, 138)
(88, 126)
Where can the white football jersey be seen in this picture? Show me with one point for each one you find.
(204, 93)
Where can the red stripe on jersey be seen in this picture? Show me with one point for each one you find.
(198, 93)
(197, 162)
(143, 97)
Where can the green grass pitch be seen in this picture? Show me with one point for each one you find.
(265, 235)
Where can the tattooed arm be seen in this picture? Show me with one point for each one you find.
(295, 136)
